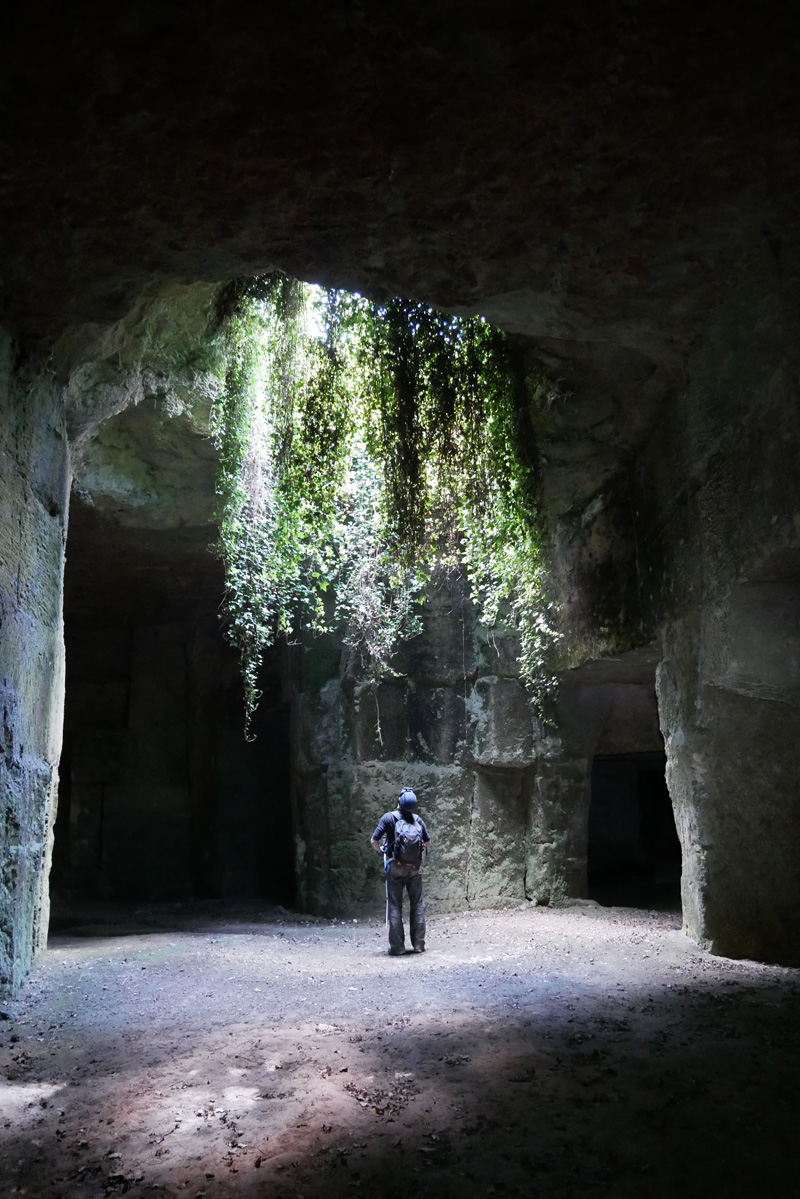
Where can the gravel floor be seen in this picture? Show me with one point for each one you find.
(216, 1050)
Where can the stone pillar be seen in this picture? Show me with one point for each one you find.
(555, 867)
(723, 472)
(34, 481)
(503, 817)
(730, 713)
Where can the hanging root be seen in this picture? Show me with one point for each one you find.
(378, 719)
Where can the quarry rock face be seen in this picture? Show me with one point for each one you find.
(728, 682)
(616, 188)
(160, 796)
(506, 798)
(461, 738)
(34, 494)
(583, 173)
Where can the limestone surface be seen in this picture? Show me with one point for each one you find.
(613, 185)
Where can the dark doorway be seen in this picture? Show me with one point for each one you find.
(161, 796)
(634, 855)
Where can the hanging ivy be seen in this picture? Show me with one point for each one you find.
(360, 444)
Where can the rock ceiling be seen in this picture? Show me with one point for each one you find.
(577, 171)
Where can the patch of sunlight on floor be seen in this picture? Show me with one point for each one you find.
(15, 1097)
(243, 1096)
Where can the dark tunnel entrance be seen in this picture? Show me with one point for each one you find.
(634, 855)
(160, 796)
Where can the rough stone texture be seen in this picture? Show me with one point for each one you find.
(615, 184)
(555, 865)
(507, 800)
(582, 172)
(726, 472)
(160, 797)
(461, 737)
(165, 353)
(685, 530)
(605, 707)
(503, 732)
(33, 495)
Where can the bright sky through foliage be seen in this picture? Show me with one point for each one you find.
(362, 445)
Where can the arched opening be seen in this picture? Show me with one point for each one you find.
(160, 796)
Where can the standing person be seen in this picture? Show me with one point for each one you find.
(405, 837)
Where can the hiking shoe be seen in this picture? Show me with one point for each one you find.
(420, 948)
(396, 953)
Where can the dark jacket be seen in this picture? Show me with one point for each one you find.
(386, 825)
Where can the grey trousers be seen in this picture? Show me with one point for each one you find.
(398, 880)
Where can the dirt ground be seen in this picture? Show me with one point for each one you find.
(219, 1050)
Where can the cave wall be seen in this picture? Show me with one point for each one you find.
(725, 470)
(664, 547)
(674, 523)
(603, 707)
(616, 184)
(577, 171)
(126, 746)
(654, 525)
(454, 724)
(34, 481)
(506, 798)
(161, 797)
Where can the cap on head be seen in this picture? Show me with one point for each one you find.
(407, 798)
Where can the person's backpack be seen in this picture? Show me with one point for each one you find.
(407, 841)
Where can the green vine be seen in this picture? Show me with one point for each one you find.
(360, 444)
